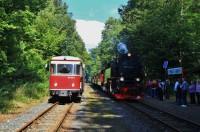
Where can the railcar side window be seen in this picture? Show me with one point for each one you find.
(53, 69)
(78, 68)
(65, 68)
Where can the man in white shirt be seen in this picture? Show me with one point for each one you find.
(184, 89)
(176, 86)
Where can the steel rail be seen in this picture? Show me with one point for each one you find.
(160, 120)
(151, 117)
(148, 115)
(63, 118)
(24, 127)
(181, 118)
(164, 112)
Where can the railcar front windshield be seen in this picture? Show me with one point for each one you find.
(70, 69)
(65, 69)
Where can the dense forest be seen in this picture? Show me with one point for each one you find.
(156, 30)
(31, 32)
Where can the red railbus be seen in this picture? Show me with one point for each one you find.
(66, 77)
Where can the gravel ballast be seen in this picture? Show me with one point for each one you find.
(20, 120)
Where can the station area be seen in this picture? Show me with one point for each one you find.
(190, 113)
(98, 112)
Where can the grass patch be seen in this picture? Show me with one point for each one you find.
(14, 96)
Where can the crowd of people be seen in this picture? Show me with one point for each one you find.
(180, 88)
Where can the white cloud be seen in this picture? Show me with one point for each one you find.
(90, 32)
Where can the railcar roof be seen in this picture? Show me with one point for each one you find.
(66, 58)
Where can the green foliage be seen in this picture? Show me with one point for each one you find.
(106, 50)
(13, 94)
(31, 91)
(156, 30)
(111, 38)
(95, 64)
(160, 30)
(31, 32)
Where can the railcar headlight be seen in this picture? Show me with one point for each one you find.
(55, 84)
(137, 79)
(121, 79)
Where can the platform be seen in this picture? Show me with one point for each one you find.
(191, 112)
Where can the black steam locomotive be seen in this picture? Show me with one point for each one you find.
(122, 78)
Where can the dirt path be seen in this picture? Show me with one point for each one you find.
(99, 113)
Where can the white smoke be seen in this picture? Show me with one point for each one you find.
(122, 48)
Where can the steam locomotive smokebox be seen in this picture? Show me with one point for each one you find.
(126, 66)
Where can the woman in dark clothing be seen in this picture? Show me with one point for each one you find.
(179, 92)
(192, 91)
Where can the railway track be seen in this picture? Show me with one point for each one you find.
(171, 121)
(49, 120)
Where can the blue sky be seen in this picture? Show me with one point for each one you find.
(98, 10)
(90, 16)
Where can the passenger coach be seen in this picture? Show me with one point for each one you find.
(66, 77)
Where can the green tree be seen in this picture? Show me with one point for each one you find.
(37, 29)
(165, 27)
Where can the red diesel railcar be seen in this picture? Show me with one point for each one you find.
(66, 77)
